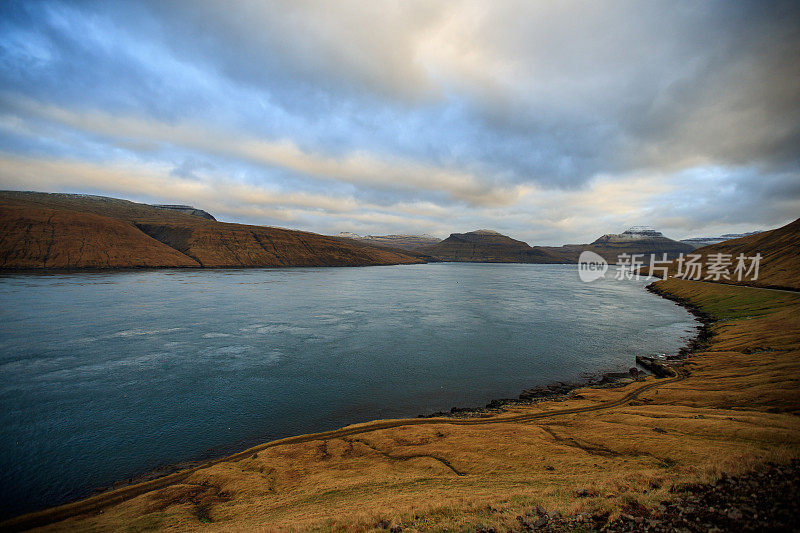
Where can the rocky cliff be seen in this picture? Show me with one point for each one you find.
(39, 237)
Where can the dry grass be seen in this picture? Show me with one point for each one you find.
(738, 408)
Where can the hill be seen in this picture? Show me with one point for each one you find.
(486, 246)
(402, 242)
(779, 266)
(43, 230)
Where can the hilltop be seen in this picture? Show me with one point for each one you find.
(44, 230)
(487, 246)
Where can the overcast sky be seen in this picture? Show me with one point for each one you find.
(552, 122)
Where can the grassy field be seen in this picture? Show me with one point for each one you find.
(736, 408)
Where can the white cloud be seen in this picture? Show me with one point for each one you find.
(357, 168)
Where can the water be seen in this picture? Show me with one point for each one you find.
(104, 376)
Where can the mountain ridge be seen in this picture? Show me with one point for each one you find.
(491, 246)
(55, 230)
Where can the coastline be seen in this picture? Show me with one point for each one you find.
(641, 444)
(554, 392)
(559, 391)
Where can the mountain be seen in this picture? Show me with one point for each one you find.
(779, 266)
(486, 246)
(44, 230)
(698, 242)
(403, 242)
(492, 247)
(636, 240)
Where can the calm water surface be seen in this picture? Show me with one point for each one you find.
(104, 376)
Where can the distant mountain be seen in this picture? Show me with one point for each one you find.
(490, 246)
(403, 242)
(487, 246)
(698, 242)
(42, 230)
(189, 210)
(636, 240)
(780, 256)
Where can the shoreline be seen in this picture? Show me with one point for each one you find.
(559, 391)
(556, 392)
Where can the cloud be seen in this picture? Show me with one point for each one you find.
(214, 193)
(546, 120)
(358, 168)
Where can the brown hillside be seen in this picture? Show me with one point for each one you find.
(218, 244)
(37, 237)
(780, 252)
(82, 231)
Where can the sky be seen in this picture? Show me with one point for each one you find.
(552, 122)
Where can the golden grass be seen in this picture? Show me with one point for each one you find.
(738, 408)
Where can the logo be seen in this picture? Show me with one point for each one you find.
(591, 266)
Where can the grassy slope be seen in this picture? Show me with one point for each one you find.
(737, 408)
(780, 251)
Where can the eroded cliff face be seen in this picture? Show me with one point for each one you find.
(237, 245)
(41, 230)
(37, 237)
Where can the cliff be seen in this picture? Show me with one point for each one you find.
(38, 237)
(41, 230)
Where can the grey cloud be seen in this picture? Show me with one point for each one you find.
(503, 95)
